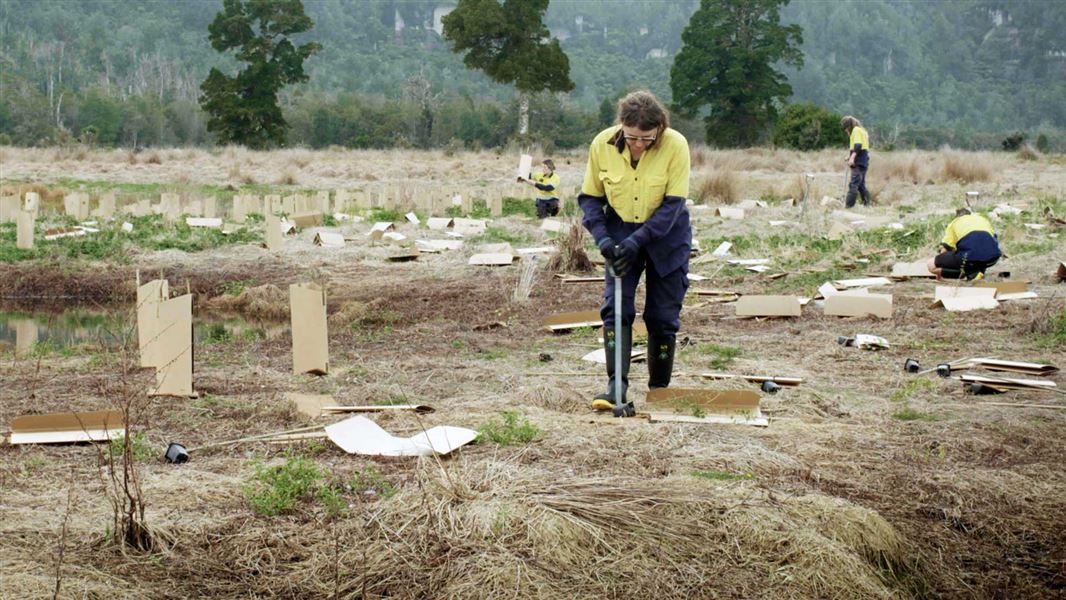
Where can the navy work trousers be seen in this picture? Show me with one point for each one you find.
(662, 305)
(857, 186)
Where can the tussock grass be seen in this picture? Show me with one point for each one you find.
(720, 186)
(966, 168)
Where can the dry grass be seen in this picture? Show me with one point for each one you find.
(967, 168)
(720, 186)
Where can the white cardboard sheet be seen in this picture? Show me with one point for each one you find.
(360, 435)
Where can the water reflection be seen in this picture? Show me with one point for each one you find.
(25, 331)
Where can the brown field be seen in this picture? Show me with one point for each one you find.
(868, 483)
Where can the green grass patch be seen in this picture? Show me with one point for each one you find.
(500, 234)
(909, 414)
(1053, 334)
(281, 489)
(371, 482)
(391, 215)
(509, 431)
(721, 475)
(912, 387)
(140, 448)
(721, 355)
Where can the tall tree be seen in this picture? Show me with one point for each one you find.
(727, 64)
(511, 44)
(244, 109)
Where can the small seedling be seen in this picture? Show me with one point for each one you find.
(721, 475)
(510, 432)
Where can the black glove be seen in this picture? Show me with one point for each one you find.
(625, 255)
(606, 245)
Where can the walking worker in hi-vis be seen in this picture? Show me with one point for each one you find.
(858, 160)
(969, 247)
(633, 200)
(546, 182)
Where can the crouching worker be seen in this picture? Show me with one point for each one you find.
(969, 247)
(546, 182)
(633, 200)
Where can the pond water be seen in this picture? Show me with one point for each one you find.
(24, 331)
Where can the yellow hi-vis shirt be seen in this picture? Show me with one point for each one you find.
(545, 179)
(635, 194)
(860, 137)
(963, 226)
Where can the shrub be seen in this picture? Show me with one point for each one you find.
(1042, 143)
(807, 126)
(1013, 141)
(510, 432)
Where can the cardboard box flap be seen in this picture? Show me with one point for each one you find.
(493, 259)
(911, 269)
(780, 380)
(307, 219)
(59, 428)
(311, 405)
(850, 304)
(329, 240)
(173, 353)
(966, 304)
(728, 212)
(696, 401)
(861, 282)
(995, 364)
(1009, 382)
(573, 320)
(525, 166)
(440, 223)
(768, 306)
(1004, 287)
(310, 340)
(953, 291)
(203, 222)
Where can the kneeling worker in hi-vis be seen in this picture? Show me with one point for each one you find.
(969, 247)
(633, 200)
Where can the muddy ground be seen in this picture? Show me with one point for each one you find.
(868, 482)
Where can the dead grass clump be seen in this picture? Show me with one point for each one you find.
(153, 158)
(911, 167)
(290, 176)
(965, 168)
(262, 302)
(350, 312)
(1027, 152)
(571, 257)
(554, 397)
(721, 186)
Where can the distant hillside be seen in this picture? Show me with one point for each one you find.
(922, 72)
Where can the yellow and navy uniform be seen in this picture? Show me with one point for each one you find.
(642, 205)
(972, 238)
(859, 143)
(546, 185)
(646, 202)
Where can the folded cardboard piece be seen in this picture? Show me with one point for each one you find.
(307, 219)
(405, 254)
(995, 364)
(525, 166)
(24, 230)
(328, 239)
(378, 230)
(62, 232)
(907, 270)
(469, 226)
(728, 212)
(203, 222)
(844, 284)
(859, 303)
(439, 223)
(536, 250)
(412, 218)
(1009, 383)
(273, 236)
(312, 405)
(1004, 287)
(173, 352)
(722, 249)
(780, 380)
(149, 296)
(61, 428)
(438, 245)
(360, 435)
(573, 320)
(310, 337)
(1060, 271)
(739, 407)
(865, 341)
(752, 204)
(768, 306)
(749, 262)
(553, 225)
(493, 259)
(962, 299)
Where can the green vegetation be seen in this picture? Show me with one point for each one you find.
(735, 74)
(723, 355)
(280, 489)
(807, 126)
(509, 432)
(909, 414)
(371, 482)
(244, 109)
(912, 387)
(380, 215)
(721, 475)
(140, 448)
(1053, 335)
(499, 234)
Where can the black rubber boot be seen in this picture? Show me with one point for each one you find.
(850, 200)
(660, 360)
(605, 401)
